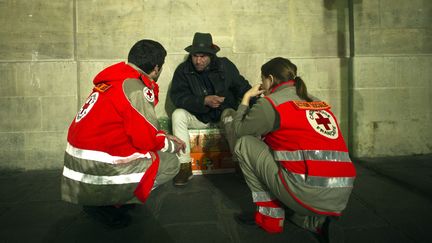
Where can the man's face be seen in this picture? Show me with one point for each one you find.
(200, 61)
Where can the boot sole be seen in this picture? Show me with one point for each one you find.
(183, 183)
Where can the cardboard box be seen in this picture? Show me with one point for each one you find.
(210, 152)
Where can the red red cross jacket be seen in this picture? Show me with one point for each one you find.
(111, 123)
(312, 152)
(110, 127)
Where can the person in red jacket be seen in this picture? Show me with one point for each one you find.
(292, 153)
(116, 153)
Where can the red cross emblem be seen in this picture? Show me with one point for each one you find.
(85, 109)
(323, 121)
(148, 94)
(85, 106)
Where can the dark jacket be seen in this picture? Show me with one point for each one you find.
(188, 89)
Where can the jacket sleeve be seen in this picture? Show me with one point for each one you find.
(183, 97)
(256, 121)
(239, 85)
(140, 121)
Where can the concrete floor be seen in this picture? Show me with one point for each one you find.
(391, 202)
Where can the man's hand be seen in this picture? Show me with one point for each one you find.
(213, 101)
(180, 145)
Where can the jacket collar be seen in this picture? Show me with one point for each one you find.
(283, 85)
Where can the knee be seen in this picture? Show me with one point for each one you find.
(228, 112)
(241, 145)
(180, 115)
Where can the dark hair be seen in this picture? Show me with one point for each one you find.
(146, 54)
(284, 70)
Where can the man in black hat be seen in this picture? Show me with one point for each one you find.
(203, 87)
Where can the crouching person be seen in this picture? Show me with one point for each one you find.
(115, 153)
(292, 154)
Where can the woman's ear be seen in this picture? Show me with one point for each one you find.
(271, 80)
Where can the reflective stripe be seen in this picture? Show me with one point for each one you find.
(301, 155)
(261, 197)
(102, 156)
(160, 134)
(172, 146)
(318, 181)
(166, 145)
(272, 212)
(102, 180)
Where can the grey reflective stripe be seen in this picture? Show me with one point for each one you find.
(319, 181)
(261, 197)
(102, 180)
(102, 156)
(272, 212)
(301, 155)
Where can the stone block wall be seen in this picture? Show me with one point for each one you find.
(392, 78)
(51, 50)
(38, 82)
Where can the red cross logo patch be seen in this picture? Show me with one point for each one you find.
(148, 94)
(323, 123)
(85, 109)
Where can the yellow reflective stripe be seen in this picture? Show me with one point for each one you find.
(102, 180)
(261, 197)
(319, 181)
(302, 155)
(272, 212)
(102, 156)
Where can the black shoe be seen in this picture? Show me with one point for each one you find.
(330, 232)
(184, 175)
(245, 218)
(109, 216)
(126, 207)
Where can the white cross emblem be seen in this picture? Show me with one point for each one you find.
(85, 109)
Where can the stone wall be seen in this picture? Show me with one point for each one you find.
(50, 51)
(392, 78)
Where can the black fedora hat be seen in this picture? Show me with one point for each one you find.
(202, 43)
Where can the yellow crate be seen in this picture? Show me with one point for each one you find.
(210, 152)
(212, 163)
(208, 140)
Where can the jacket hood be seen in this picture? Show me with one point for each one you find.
(116, 73)
(121, 71)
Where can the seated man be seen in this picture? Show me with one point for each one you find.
(115, 152)
(203, 87)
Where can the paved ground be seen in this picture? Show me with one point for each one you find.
(391, 202)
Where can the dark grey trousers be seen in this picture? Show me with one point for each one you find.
(261, 174)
